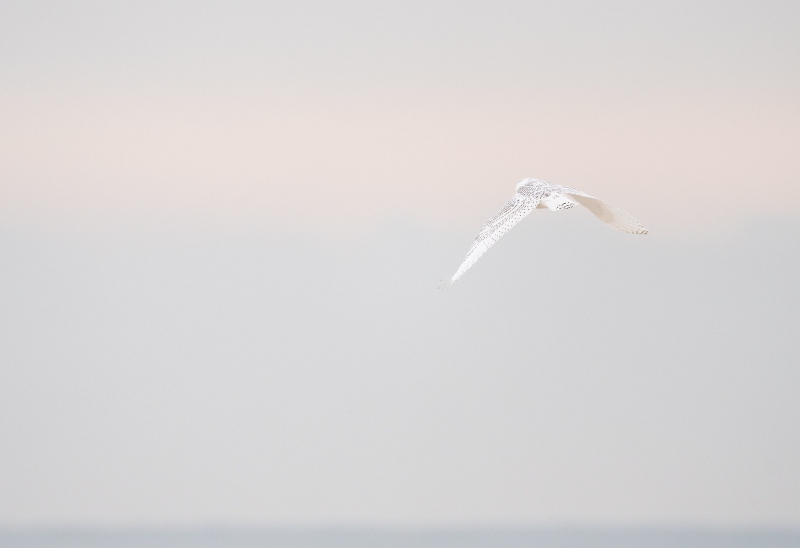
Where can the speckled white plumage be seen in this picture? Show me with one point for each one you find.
(535, 193)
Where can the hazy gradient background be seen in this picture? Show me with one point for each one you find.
(222, 226)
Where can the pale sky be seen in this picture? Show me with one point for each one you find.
(222, 226)
(351, 112)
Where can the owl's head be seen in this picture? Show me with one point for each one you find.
(524, 182)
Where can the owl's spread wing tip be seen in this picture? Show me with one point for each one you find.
(631, 228)
(518, 207)
(611, 215)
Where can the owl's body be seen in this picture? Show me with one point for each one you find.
(537, 194)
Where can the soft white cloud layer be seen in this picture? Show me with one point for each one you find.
(233, 378)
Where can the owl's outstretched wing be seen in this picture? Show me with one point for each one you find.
(512, 213)
(609, 214)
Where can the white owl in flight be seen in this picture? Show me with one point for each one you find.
(535, 193)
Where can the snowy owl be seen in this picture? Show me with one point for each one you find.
(535, 193)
